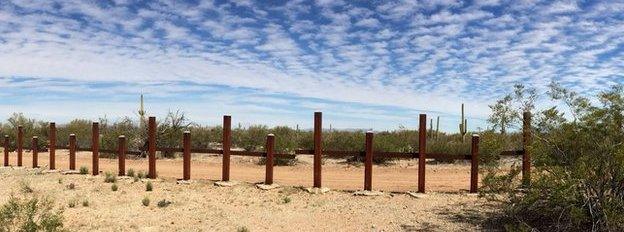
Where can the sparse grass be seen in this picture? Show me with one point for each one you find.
(148, 186)
(286, 200)
(136, 179)
(109, 178)
(242, 229)
(71, 186)
(85, 203)
(32, 214)
(163, 203)
(71, 203)
(60, 180)
(84, 170)
(141, 175)
(114, 187)
(145, 201)
(130, 172)
(25, 187)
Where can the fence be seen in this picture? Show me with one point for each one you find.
(269, 153)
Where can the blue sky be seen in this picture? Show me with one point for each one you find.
(365, 64)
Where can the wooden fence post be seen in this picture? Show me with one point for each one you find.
(526, 155)
(368, 163)
(35, 151)
(151, 147)
(121, 154)
(186, 155)
(227, 143)
(72, 152)
(474, 164)
(422, 150)
(270, 144)
(318, 132)
(52, 146)
(6, 150)
(95, 148)
(20, 144)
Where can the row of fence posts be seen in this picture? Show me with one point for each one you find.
(270, 140)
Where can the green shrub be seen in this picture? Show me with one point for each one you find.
(84, 170)
(148, 186)
(141, 175)
(145, 201)
(32, 214)
(109, 178)
(136, 179)
(71, 203)
(114, 187)
(242, 229)
(85, 203)
(286, 200)
(130, 172)
(71, 186)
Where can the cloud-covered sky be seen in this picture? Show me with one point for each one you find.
(365, 64)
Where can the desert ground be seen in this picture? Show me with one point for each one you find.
(202, 206)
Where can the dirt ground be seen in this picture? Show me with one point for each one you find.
(202, 206)
(399, 176)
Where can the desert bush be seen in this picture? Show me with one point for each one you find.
(25, 187)
(163, 203)
(145, 201)
(85, 203)
(71, 203)
(32, 214)
(251, 139)
(286, 200)
(170, 131)
(80, 127)
(71, 186)
(148, 186)
(130, 172)
(576, 184)
(84, 170)
(109, 178)
(242, 229)
(141, 174)
(114, 187)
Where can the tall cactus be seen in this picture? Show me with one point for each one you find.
(430, 133)
(141, 113)
(463, 126)
(437, 133)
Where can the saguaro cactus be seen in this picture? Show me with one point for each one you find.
(437, 132)
(141, 113)
(463, 126)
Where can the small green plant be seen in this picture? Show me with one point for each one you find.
(114, 187)
(32, 214)
(136, 179)
(130, 172)
(84, 170)
(163, 203)
(145, 201)
(71, 204)
(141, 175)
(60, 180)
(109, 178)
(25, 187)
(71, 186)
(286, 200)
(85, 203)
(148, 186)
(242, 229)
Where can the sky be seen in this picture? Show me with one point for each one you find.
(364, 64)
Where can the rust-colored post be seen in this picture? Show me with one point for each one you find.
(186, 163)
(227, 143)
(474, 164)
(368, 162)
(121, 154)
(422, 150)
(35, 151)
(72, 152)
(95, 148)
(270, 144)
(6, 150)
(151, 147)
(526, 155)
(20, 144)
(52, 146)
(318, 132)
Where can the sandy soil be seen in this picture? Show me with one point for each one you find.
(401, 176)
(201, 206)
